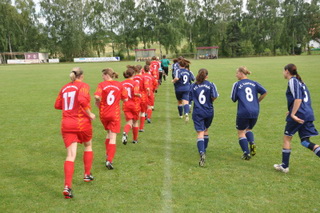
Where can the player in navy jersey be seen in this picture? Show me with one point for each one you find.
(203, 93)
(299, 117)
(246, 91)
(182, 81)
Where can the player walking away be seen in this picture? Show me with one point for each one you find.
(246, 91)
(182, 82)
(175, 67)
(150, 83)
(107, 96)
(76, 127)
(154, 67)
(144, 98)
(299, 118)
(131, 107)
(203, 93)
(165, 66)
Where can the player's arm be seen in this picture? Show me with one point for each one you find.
(234, 97)
(295, 108)
(58, 103)
(97, 96)
(84, 100)
(261, 97)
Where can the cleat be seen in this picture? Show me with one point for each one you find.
(279, 167)
(186, 118)
(88, 178)
(124, 138)
(134, 142)
(253, 151)
(67, 192)
(149, 120)
(180, 116)
(109, 165)
(141, 130)
(246, 156)
(202, 159)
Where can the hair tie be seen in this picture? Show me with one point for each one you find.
(75, 73)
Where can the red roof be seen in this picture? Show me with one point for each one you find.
(144, 50)
(202, 48)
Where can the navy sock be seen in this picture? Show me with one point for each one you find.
(250, 137)
(285, 157)
(206, 141)
(200, 144)
(317, 151)
(180, 109)
(186, 108)
(244, 145)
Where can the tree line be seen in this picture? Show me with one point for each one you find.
(78, 28)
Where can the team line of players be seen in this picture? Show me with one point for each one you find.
(137, 92)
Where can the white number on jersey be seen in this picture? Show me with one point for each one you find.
(249, 94)
(185, 79)
(129, 91)
(202, 99)
(110, 98)
(306, 98)
(69, 96)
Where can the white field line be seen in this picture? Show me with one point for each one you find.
(167, 184)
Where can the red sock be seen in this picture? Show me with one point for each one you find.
(107, 144)
(68, 173)
(135, 131)
(142, 120)
(149, 112)
(111, 152)
(87, 161)
(127, 128)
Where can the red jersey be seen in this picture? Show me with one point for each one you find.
(73, 100)
(150, 82)
(132, 88)
(154, 69)
(111, 92)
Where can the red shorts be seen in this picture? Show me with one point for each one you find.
(151, 99)
(132, 115)
(112, 125)
(79, 137)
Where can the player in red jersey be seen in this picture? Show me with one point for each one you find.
(150, 84)
(131, 107)
(154, 67)
(140, 77)
(108, 95)
(74, 101)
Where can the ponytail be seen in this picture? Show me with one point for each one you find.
(292, 69)
(130, 71)
(244, 70)
(201, 77)
(76, 72)
(110, 72)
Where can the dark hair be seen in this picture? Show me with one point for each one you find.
(154, 58)
(202, 74)
(110, 72)
(138, 68)
(129, 72)
(292, 69)
(164, 56)
(175, 60)
(184, 62)
(146, 68)
(148, 62)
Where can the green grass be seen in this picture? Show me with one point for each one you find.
(161, 173)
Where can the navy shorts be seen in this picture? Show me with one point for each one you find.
(307, 129)
(245, 123)
(184, 95)
(201, 122)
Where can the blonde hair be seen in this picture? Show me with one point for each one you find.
(76, 72)
(244, 70)
(110, 72)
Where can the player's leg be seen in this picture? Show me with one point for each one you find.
(186, 108)
(87, 161)
(111, 149)
(242, 124)
(286, 152)
(127, 127)
(69, 169)
(135, 131)
(250, 136)
(305, 132)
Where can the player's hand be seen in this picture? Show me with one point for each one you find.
(297, 119)
(92, 116)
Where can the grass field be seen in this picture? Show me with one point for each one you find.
(161, 173)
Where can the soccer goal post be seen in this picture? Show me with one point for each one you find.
(207, 52)
(144, 54)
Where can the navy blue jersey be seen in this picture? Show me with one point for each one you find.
(246, 93)
(298, 90)
(202, 95)
(185, 79)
